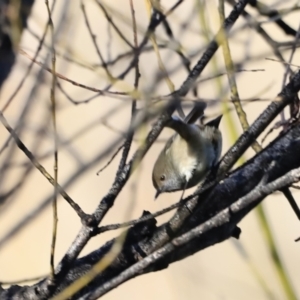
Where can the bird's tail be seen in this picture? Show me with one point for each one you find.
(196, 112)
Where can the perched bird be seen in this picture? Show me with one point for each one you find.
(188, 155)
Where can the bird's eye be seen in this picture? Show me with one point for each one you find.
(162, 177)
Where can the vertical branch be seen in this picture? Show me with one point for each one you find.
(129, 138)
(133, 106)
(267, 232)
(136, 67)
(242, 118)
(161, 66)
(110, 22)
(93, 36)
(202, 9)
(136, 45)
(53, 113)
(231, 78)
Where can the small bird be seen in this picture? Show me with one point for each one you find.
(188, 155)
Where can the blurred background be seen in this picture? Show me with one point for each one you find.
(242, 269)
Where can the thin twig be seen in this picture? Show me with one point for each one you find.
(58, 75)
(231, 79)
(93, 36)
(111, 159)
(112, 23)
(55, 167)
(44, 172)
(20, 281)
(129, 137)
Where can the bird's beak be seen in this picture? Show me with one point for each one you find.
(157, 194)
